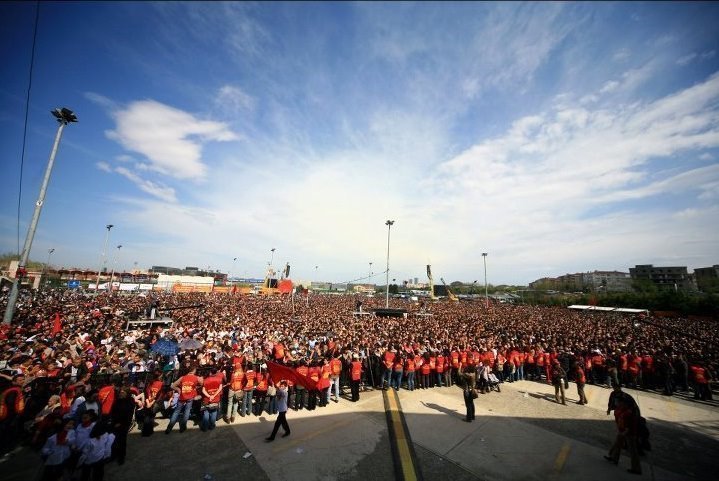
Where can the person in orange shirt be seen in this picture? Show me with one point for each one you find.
(409, 369)
(324, 383)
(248, 389)
(235, 394)
(335, 373)
(355, 376)
(260, 393)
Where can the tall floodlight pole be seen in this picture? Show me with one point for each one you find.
(272, 258)
(64, 116)
(46, 269)
(114, 263)
(389, 227)
(104, 256)
(369, 274)
(486, 297)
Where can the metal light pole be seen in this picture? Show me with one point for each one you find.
(234, 274)
(104, 256)
(47, 266)
(114, 263)
(486, 297)
(272, 258)
(64, 116)
(389, 227)
(369, 274)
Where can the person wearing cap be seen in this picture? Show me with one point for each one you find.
(558, 376)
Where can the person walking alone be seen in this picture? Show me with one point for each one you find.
(470, 380)
(281, 412)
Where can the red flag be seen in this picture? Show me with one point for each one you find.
(279, 372)
(57, 325)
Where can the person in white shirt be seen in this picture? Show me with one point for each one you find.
(95, 454)
(83, 430)
(57, 451)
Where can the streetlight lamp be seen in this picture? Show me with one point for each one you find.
(234, 262)
(486, 297)
(389, 224)
(114, 263)
(64, 116)
(47, 266)
(104, 256)
(272, 258)
(369, 274)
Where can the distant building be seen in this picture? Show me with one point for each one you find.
(663, 277)
(610, 281)
(707, 278)
(220, 279)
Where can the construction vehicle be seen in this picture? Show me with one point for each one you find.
(450, 294)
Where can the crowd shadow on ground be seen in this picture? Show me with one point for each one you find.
(239, 451)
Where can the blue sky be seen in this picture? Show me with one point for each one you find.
(556, 137)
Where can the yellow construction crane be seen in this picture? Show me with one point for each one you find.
(450, 294)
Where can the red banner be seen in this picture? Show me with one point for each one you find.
(279, 372)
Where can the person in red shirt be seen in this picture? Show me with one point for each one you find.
(211, 395)
(187, 386)
(314, 372)
(355, 376)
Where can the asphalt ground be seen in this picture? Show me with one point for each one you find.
(520, 433)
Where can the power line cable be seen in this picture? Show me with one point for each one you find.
(27, 111)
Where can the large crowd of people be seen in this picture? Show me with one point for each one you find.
(75, 379)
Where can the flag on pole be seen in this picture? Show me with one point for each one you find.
(279, 372)
(57, 325)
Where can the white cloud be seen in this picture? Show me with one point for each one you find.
(621, 55)
(169, 138)
(706, 156)
(159, 191)
(609, 86)
(686, 58)
(708, 54)
(104, 166)
(233, 99)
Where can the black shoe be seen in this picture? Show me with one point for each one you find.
(633, 471)
(269, 440)
(167, 431)
(611, 460)
(286, 434)
(182, 430)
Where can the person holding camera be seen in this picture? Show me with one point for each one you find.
(281, 397)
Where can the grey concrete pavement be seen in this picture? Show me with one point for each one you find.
(520, 433)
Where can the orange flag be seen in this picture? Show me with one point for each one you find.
(57, 325)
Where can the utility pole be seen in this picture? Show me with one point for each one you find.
(64, 116)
